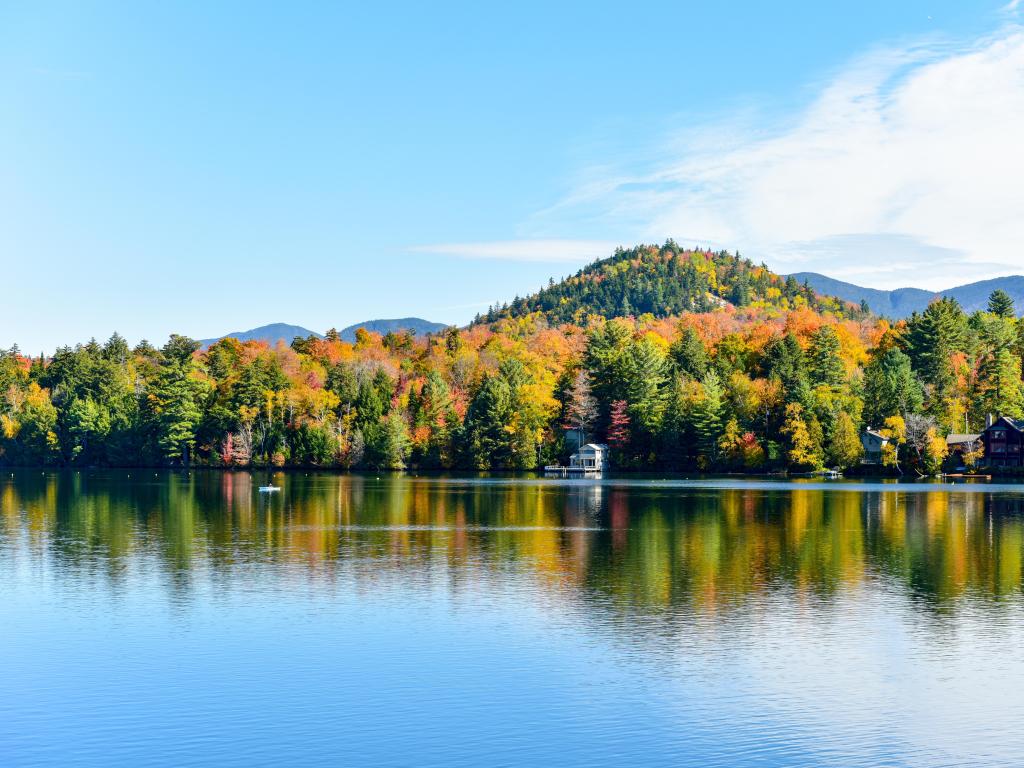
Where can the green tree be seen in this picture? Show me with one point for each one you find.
(784, 362)
(1000, 304)
(845, 449)
(396, 443)
(645, 373)
(1000, 391)
(825, 364)
(176, 400)
(890, 387)
(690, 355)
(707, 419)
(933, 338)
(486, 439)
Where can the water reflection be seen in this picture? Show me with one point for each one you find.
(634, 547)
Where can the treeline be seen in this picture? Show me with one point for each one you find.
(784, 385)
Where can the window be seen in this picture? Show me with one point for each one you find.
(998, 447)
(998, 434)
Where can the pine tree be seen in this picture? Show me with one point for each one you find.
(825, 364)
(396, 443)
(1000, 304)
(175, 399)
(707, 419)
(933, 338)
(890, 387)
(690, 355)
(486, 441)
(784, 361)
(646, 372)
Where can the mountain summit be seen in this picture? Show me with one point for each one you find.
(664, 281)
(271, 334)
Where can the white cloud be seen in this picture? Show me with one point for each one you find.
(908, 167)
(526, 250)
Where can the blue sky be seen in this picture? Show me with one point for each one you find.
(205, 167)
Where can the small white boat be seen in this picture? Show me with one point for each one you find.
(269, 488)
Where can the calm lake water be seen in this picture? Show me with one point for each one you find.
(172, 619)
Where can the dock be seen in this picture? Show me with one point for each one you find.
(555, 470)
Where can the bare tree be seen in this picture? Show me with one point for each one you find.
(581, 406)
(919, 430)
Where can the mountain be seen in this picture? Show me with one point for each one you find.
(664, 281)
(271, 334)
(276, 332)
(417, 325)
(902, 302)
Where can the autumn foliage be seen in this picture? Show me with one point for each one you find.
(676, 359)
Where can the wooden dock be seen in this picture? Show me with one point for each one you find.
(555, 470)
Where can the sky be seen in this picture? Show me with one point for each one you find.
(201, 168)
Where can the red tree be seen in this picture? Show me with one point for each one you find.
(618, 427)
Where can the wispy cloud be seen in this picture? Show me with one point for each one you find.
(906, 167)
(525, 250)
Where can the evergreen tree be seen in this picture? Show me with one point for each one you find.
(707, 419)
(396, 444)
(934, 336)
(646, 374)
(890, 387)
(1000, 304)
(825, 364)
(784, 362)
(176, 402)
(690, 355)
(486, 441)
(678, 438)
(999, 387)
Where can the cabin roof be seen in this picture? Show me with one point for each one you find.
(593, 447)
(957, 439)
(875, 433)
(1006, 421)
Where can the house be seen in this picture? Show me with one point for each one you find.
(1003, 439)
(873, 442)
(958, 444)
(589, 458)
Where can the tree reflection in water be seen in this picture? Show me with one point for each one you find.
(634, 546)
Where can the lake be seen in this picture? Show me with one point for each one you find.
(158, 618)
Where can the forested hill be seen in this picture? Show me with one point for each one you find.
(665, 281)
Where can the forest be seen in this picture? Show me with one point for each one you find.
(678, 360)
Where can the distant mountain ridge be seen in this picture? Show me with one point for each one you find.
(417, 325)
(275, 332)
(902, 302)
(271, 334)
